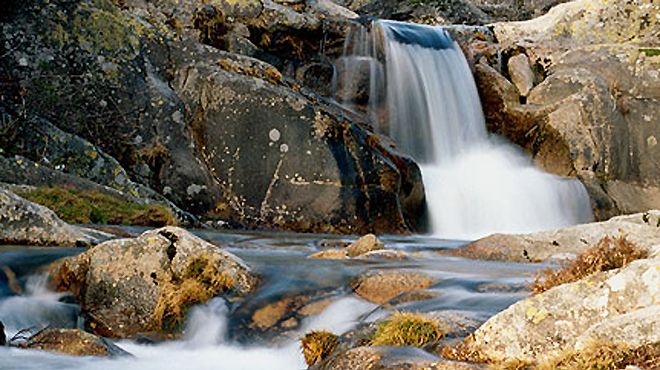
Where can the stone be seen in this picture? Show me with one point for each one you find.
(388, 358)
(26, 223)
(3, 337)
(381, 286)
(146, 284)
(72, 342)
(521, 73)
(331, 254)
(641, 229)
(384, 255)
(365, 244)
(619, 305)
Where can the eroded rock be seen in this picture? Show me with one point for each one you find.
(26, 223)
(146, 284)
(381, 286)
(618, 305)
(73, 342)
(365, 244)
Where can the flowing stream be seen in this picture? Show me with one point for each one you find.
(214, 338)
(423, 95)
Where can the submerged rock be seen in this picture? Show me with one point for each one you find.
(26, 223)
(642, 229)
(618, 306)
(381, 286)
(146, 284)
(72, 342)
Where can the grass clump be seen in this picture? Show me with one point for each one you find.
(608, 254)
(600, 355)
(201, 281)
(317, 345)
(93, 207)
(407, 329)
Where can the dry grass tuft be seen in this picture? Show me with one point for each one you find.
(407, 329)
(201, 281)
(317, 345)
(608, 254)
(600, 355)
(93, 207)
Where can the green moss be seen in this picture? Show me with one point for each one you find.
(651, 52)
(407, 329)
(93, 207)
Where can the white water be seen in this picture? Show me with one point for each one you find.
(476, 183)
(204, 345)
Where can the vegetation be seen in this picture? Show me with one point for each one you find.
(407, 329)
(608, 254)
(598, 355)
(317, 345)
(94, 207)
(201, 281)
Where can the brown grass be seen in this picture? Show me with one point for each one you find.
(608, 254)
(600, 355)
(201, 281)
(93, 207)
(407, 329)
(317, 345)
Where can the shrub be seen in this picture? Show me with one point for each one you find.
(608, 254)
(317, 345)
(93, 207)
(407, 329)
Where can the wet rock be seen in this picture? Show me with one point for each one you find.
(521, 73)
(388, 358)
(26, 223)
(641, 229)
(381, 286)
(365, 244)
(354, 77)
(73, 342)
(3, 337)
(384, 255)
(146, 284)
(618, 305)
(331, 254)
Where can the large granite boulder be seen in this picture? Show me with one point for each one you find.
(73, 342)
(618, 306)
(150, 104)
(26, 223)
(146, 284)
(642, 229)
(592, 110)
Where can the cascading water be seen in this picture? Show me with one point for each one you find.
(422, 94)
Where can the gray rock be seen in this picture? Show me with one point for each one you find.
(619, 305)
(641, 229)
(25, 223)
(146, 284)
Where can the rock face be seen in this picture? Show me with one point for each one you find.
(146, 284)
(593, 114)
(619, 305)
(73, 342)
(382, 286)
(25, 223)
(642, 229)
(167, 101)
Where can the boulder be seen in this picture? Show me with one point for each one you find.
(26, 223)
(642, 229)
(619, 305)
(73, 342)
(389, 358)
(146, 284)
(521, 73)
(330, 254)
(365, 244)
(593, 113)
(381, 286)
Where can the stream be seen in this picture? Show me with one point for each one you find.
(215, 337)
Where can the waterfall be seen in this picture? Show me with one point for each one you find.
(415, 85)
